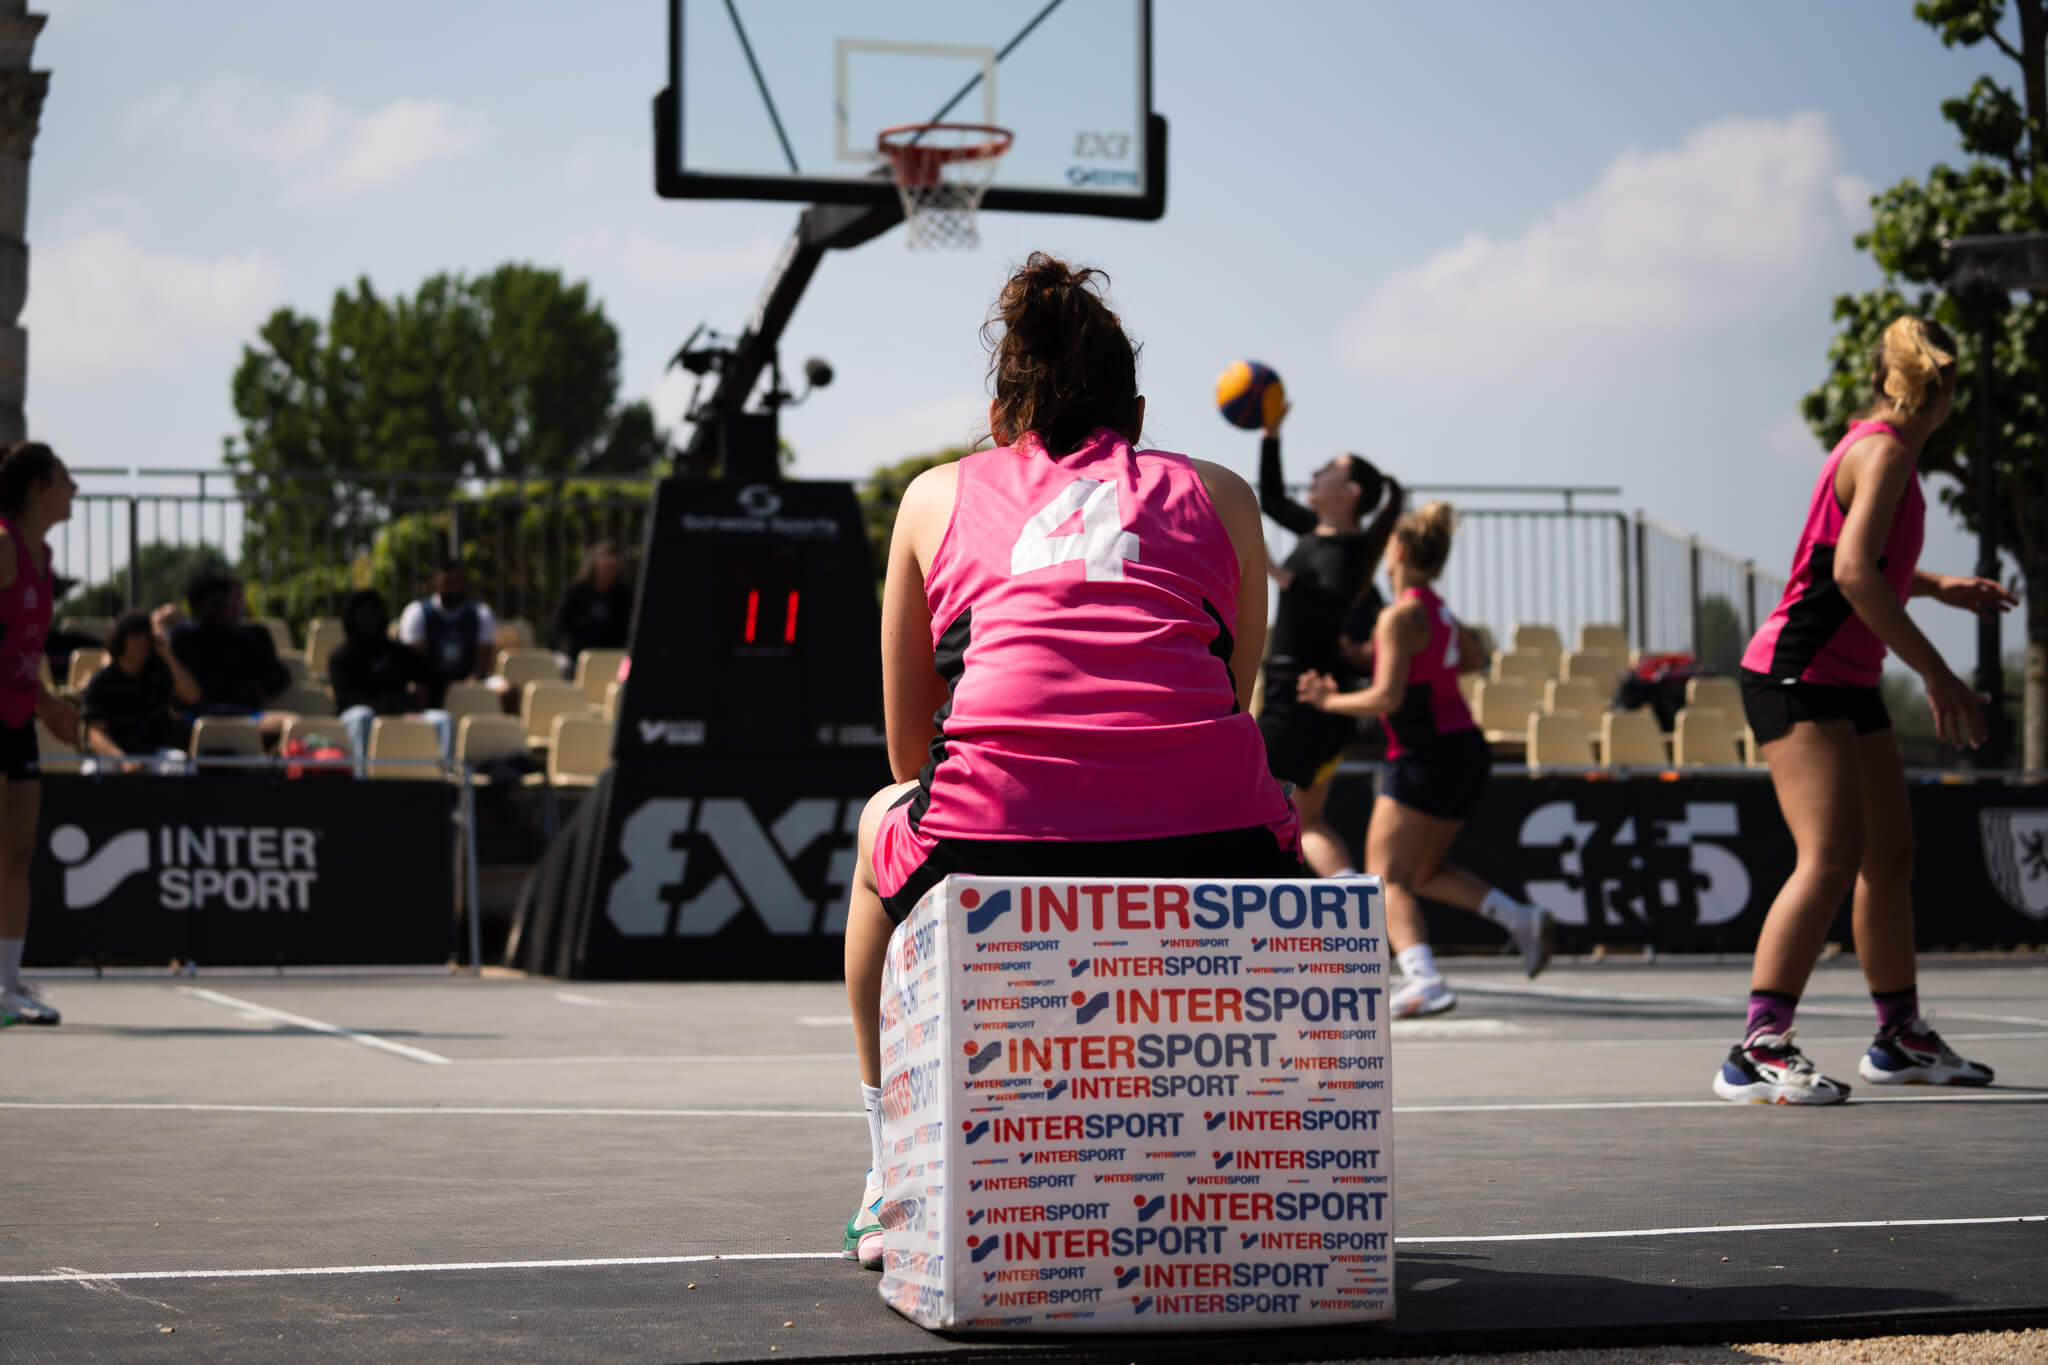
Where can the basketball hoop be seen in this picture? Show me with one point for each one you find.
(942, 170)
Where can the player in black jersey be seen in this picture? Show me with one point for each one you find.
(1323, 624)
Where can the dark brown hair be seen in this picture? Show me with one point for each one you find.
(22, 466)
(1058, 357)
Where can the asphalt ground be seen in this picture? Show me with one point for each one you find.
(408, 1167)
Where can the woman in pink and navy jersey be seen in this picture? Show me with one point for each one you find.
(1810, 692)
(1439, 763)
(1070, 631)
(35, 494)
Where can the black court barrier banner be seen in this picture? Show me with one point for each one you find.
(243, 869)
(1692, 865)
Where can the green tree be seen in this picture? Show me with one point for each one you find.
(2000, 188)
(162, 571)
(882, 494)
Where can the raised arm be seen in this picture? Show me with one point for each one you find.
(1273, 499)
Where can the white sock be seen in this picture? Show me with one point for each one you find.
(10, 964)
(871, 1100)
(1504, 910)
(1418, 963)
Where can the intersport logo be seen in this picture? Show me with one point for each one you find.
(666, 837)
(239, 867)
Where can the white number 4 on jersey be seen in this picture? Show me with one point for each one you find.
(1102, 543)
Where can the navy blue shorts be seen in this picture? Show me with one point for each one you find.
(1443, 777)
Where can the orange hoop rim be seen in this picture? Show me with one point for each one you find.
(995, 142)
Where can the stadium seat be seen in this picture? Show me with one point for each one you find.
(280, 632)
(471, 699)
(1751, 753)
(238, 736)
(1723, 694)
(1704, 737)
(522, 666)
(542, 701)
(480, 737)
(519, 628)
(1631, 739)
(1595, 666)
(44, 675)
(100, 628)
(1613, 639)
(84, 663)
(294, 664)
(307, 726)
(56, 755)
(612, 690)
(597, 669)
(1575, 697)
(1526, 666)
(1559, 739)
(1543, 639)
(321, 637)
(394, 738)
(304, 699)
(1503, 711)
(581, 750)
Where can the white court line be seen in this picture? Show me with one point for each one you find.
(607, 1262)
(252, 1009)
(748, 1058)
(1730, 1001)
(1549, 1038)
(599, 1112)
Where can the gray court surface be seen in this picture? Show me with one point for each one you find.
(351, 1166)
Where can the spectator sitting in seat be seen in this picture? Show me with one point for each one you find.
(130, 704)
(596, 610)
(235, 663)
(374, 675)
(457, 633)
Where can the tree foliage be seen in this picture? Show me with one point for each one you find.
(162, 571)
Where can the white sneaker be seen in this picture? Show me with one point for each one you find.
(863, 1240)
(26, 1007)
(1420, 996)
(1768, 1069)
(1536, 939)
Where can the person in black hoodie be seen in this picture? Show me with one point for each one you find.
(374, 675)
(596, 610)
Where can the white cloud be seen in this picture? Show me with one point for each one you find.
(318, 147)
(1667, 245)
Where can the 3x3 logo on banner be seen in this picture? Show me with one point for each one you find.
(693, 864)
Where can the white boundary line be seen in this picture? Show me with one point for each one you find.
(1730, 1001)
(609, 1262)
(657, 1059)
(604, 1112)
(251, 1008)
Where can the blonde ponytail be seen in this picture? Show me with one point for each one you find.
(1912, 362)
(1425, 536)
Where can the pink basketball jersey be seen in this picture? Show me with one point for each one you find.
(1083, 611)
(1813, 634)
(24, 626)
(1433, 704)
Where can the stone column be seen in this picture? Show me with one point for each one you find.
(21, 108)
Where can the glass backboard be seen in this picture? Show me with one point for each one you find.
(784, 99)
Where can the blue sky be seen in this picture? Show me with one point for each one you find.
(1486, 242)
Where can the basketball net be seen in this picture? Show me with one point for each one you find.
(942, 170)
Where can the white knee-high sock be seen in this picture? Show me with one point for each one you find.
(10, 963)
(871, 1100)
(1418, 963)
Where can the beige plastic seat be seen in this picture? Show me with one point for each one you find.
(541, 702)
(1723, 694)
(1595, 666)
(1611, 638)
(84, 663)
(519, 629)
(55, 755)
(522, 666)
(1559, 739)
(1575, 697)
(472, 699)
(1503, 711)
(612, 692)
(322, 636)
(303, 698)
(596, 670)
(580, 751)
(480, 737)
(1540, 638)
(101, 628)
(1524, 665)
(280, 632)
(43, 673)
(1631, 739)
(306, 725)
(401, 738)
(295, 664)
(213, 736)
(1704, 736)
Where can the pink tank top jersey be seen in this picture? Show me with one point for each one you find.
(1083, 612)
(1433, 705)
(24, 626)
(1813, 634)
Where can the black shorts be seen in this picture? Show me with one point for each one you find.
(1443, 777)
(1772, 707)
(1302, 743)
(1252, 852)
(21, 758)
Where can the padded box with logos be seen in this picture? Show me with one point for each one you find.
(1138, 1105)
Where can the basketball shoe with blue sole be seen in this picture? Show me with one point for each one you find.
(863, 1240)
(1915, 1055)
(1766, 1068)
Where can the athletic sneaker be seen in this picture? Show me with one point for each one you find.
(863, 1241)
(1422, 995)
(1915, 1055)
(1536, 937)
(1768, 1069)
(26, 1006)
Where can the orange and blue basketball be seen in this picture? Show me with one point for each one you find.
(1250, 395)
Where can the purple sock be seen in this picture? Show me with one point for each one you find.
(1896, 1009)
(1769, 1012)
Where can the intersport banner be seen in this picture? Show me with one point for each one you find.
(1138, 1106)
